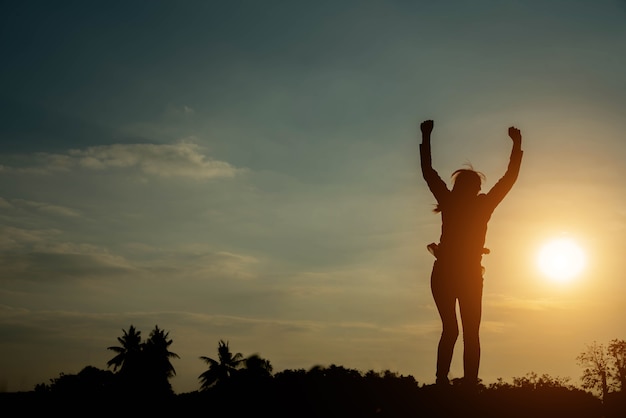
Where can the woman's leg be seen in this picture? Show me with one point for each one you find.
(470, 306)
(446, 305)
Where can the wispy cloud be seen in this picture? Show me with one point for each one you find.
(34, 254)
(37, 266)
(196, 261)
(47, 207)
(12, 238)
(184, 158)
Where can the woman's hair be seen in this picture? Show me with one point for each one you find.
(465, 178)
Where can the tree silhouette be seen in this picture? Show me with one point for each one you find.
(128, 353)
(617, 357)
(157, 368)
(257, 367)
(90, 381)
(144, 367)
(158, 354)
(596, 369)
(222, 369)
(246, 386)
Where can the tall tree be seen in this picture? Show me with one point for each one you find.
(158, 354)
(617, 358)
(596, 369)
(222, 369)
(144, 367)
(157, 367)
(128, 353)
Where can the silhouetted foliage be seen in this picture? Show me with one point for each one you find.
(89, 381)
(538, 396)
(533, 381)
(248, 387)
(256, 370)
(222, 369)
(605, 372)
(156, 366)
(617, 364)
(127, 358)
(144, 367)
(596, 368)
(71, 394)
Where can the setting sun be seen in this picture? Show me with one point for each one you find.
(561, 259)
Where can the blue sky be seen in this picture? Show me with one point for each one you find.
(248, 171)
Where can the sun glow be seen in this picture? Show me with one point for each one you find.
(561, 259)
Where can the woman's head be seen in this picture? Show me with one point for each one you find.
(467, 181)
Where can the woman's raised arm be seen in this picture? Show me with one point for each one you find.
(436, 185)
(502, 187)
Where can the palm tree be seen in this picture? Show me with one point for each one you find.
(156, 365)
(158, 354)
(222, 369)
(128, 353)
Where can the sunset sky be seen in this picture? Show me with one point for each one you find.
(249, 171)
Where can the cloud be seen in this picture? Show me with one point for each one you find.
(231, 265)
(184, 158)
(48, 208)
(12, 238)
(36, 255)
(39, 266)
(196, 261)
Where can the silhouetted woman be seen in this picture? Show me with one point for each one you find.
(457, 272)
